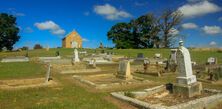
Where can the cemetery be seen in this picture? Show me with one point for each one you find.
(111, 54)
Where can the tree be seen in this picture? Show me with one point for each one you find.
(37, 46)
(121, 35)
(8, 31)
(145, 31)
(168, 23)
(139, 33)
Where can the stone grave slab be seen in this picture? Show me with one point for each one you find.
(15, 59)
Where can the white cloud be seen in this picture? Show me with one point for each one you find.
(212, 43)
(220, 19)
(110, 12)
(51, 26)
(189, 26)
(212, 30)
(174, 32)
(85, 40)
(199, 9)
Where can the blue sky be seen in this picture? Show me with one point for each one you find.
(47, 21)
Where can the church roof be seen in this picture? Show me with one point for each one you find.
(74, 31)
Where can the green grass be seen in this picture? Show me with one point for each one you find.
(66, 96)
(199, 56)
(21, 70)
(69, 95)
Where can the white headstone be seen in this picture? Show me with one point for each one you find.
(76, 56)
(157, 55)
(184, 66)
(211, 60)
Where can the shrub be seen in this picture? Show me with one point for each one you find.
(38, 46)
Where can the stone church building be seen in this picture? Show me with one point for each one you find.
(72, 40)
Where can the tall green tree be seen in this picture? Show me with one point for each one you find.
(168, 22)
(145, 31)
(8, 31)
(121, 35)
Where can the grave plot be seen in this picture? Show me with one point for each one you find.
(185, 93)
(16, 59)
(209, 73)
(160, 98)
(77, 68)
(25, 83)
(22, 75)
(149, 69)
(109, 80)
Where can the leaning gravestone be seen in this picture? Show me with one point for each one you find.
(186, 82)
(124, 70)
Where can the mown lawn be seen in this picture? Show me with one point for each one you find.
(200, 56)
(65, 96)
(21, 70)
(69, 95)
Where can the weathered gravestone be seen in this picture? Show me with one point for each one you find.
(172, 62)
(47, 76)
(92, 63)
(157, 55)
(140, 55)
(211, 61)
(76, 56)
(187, 84)
(124, 70)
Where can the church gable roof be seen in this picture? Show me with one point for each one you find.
(73, 33)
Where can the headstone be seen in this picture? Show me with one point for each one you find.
(157, 55)
(145, 65)
(92, 63)
(186, 81)
(173, 56)
(124, 70)
(76, 56)
(211, 60)
(47, 77)
(172, 62)
(184, 66)
(140, 55)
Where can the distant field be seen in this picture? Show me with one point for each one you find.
(200, 56)
(21, 70)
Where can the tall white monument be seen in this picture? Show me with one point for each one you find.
(187, 84)
(76, 56)
(184, 66)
